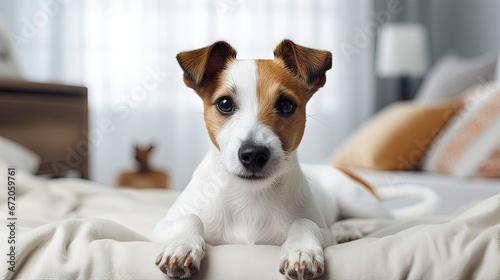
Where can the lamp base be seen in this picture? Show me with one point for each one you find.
(404, 88)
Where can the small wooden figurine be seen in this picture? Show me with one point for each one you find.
(144, 176)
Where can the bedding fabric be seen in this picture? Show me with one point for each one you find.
(74, 229)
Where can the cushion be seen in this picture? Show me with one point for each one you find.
(16, 155)
(468, 145)
(452, 74)
(396, 138)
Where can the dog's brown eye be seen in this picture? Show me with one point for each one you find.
(285, 107)
(225, 105)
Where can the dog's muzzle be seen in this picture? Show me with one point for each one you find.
(253, 157)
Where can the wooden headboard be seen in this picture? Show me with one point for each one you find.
(51, 120)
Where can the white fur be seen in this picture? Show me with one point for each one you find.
(294, 206)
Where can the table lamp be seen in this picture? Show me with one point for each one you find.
(402, 52)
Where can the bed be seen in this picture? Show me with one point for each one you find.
(72, 228)
(77, 229)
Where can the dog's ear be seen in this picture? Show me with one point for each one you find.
(202, 66)
(308, 64)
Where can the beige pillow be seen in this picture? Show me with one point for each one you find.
(395, 138)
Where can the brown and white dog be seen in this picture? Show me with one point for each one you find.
(250, 188)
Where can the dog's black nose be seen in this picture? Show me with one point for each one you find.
(253, 157)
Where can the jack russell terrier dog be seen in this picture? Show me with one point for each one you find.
(250, 188)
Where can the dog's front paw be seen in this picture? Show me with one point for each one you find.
(298, 262)
(181, 258)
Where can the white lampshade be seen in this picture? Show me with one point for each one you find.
(402, 50)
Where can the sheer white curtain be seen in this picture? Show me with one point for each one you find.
(124, 52)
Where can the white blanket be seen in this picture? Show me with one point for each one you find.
(75, 229)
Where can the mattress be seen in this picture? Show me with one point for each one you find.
(455, 193)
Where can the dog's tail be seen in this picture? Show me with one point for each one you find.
(428, 203)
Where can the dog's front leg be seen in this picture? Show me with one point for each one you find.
(184, 246)
(302, 253)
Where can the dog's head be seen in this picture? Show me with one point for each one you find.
(255, 110)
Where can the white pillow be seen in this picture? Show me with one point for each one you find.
(452, 74)
(471, 138)
(16, 155)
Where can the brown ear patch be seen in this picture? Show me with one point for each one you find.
(202, 66)
(308, 64)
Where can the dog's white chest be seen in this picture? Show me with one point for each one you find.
(245, 221)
